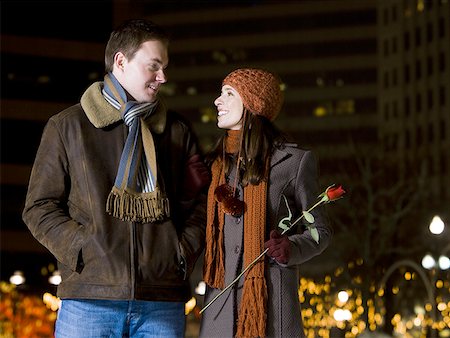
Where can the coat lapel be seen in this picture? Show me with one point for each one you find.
(279, 156)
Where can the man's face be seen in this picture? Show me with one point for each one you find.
(143, 75)
(229, 109)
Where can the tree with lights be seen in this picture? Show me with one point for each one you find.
(374, 225)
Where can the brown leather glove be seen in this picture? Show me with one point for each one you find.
(196, 177)
(279, 247)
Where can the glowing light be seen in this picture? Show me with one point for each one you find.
(201, 288)
(436, 225)
(17, 278)
(55, 278)
(308, 312)
(419, 310)
(444, 263)
(52, 302)
(420, 5)
(320, 111)
(442, 306)
(428, 262)
(205, 118)
(325, 307)
(343, 296)
(341, 315)
(190, 305)
(360, 310)
(378, 318)
(417, 321)
(191, 90)
(338, 272)
(207, 114)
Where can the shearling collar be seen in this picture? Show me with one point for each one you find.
(102, 114)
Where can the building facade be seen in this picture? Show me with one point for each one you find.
(414, 92)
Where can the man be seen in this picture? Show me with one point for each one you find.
(116, 195)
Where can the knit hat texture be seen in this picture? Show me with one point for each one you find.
(260, 91)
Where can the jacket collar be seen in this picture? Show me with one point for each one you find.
(102, 114)
(280, 155)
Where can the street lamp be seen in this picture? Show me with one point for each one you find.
(427, 283)
(428, 262)
(444, 262)
(437, 225)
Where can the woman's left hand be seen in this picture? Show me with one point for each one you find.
(279, 247)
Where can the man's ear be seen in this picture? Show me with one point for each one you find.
(119, 60)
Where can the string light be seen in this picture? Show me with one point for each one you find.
(326, 308)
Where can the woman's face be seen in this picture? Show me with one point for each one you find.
(230, 109)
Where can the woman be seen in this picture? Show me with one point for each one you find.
(258, 180)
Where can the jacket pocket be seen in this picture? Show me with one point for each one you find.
(160, 260)
(82, 218)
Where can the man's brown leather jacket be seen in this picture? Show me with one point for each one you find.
(99, 256)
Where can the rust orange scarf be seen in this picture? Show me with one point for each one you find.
(251, 321)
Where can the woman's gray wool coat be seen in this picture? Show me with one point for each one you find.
(294, 175)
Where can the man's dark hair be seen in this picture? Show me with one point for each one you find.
(128, 38)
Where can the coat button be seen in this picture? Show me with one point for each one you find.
(236, 249)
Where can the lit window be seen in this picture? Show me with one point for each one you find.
(345, 107)
(320, 111)
(420, 5)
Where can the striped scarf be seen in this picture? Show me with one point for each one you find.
(135, 195)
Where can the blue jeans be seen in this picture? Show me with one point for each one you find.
(83, 318)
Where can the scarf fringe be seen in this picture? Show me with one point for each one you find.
(143, 208)
(213, 268)
(252, 319)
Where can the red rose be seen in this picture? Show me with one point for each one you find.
(334, 192)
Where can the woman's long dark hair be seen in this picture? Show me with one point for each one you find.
(260, 138)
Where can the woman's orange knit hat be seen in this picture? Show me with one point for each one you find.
(260, 91)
